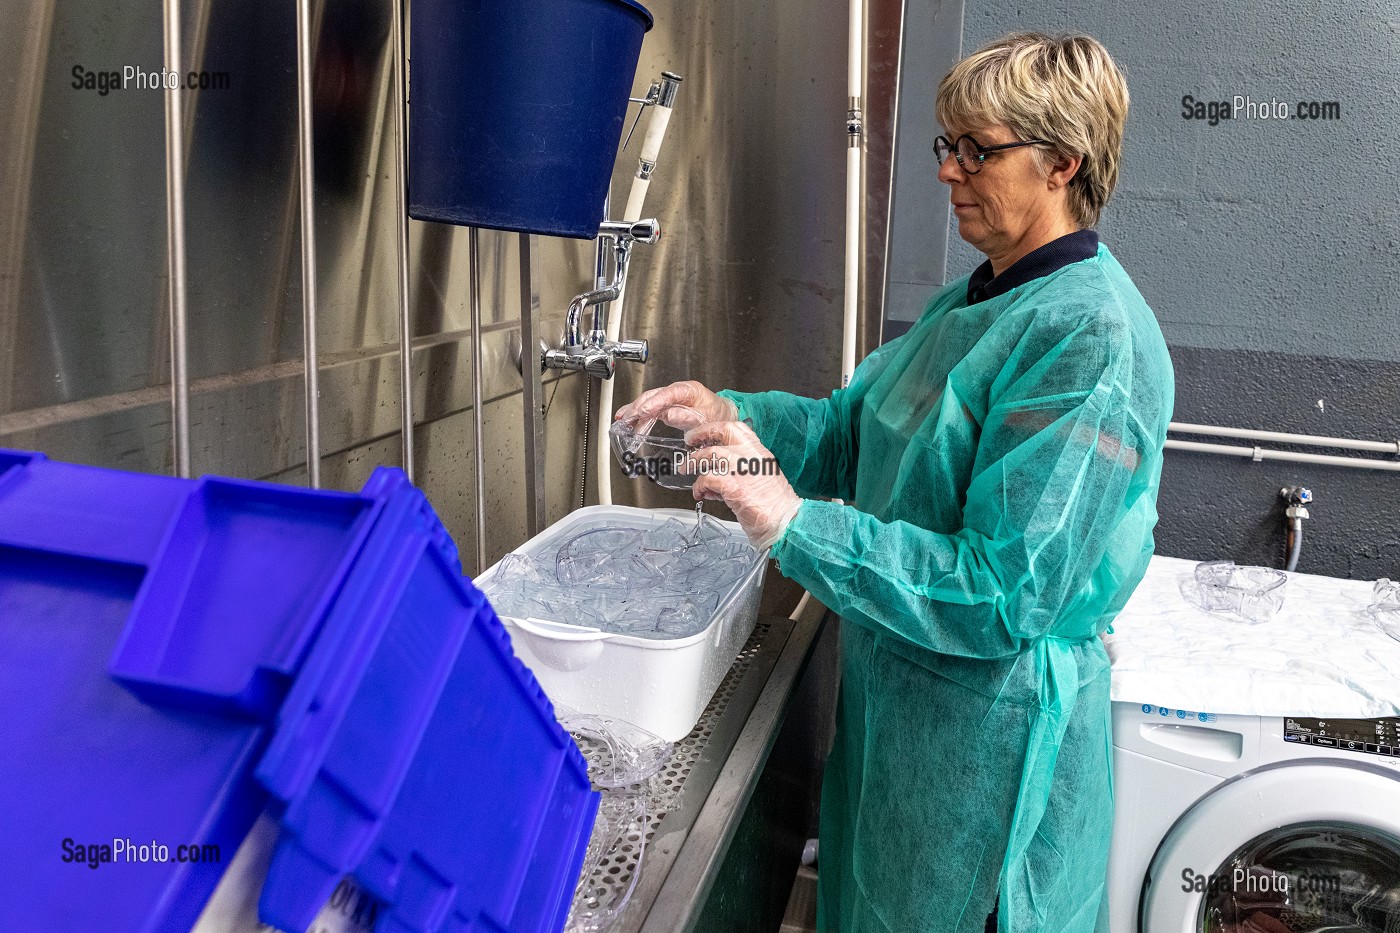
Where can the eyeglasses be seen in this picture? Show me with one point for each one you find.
(971, 154)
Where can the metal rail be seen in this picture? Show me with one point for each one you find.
(401, 206)
(691, 843)
(533, 385)
(175, 246)
(306, 174)
(474, 262)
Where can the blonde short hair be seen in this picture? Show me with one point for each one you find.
(1066, 90)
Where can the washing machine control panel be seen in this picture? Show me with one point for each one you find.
(1364, 736)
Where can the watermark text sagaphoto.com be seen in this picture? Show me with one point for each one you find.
(1245, 107)
(136, 78)
(96, 854)
(687, 464)
(1243, 881)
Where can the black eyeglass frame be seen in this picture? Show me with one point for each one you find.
(982, 151)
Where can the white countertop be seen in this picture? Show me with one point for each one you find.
(1320, 656)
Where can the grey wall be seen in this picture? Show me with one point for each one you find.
(1268, 250)
(919, 216)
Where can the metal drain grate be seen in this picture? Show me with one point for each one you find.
(613, 875)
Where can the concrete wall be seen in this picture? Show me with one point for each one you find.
(1266, 247)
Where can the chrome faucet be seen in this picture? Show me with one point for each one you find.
(595, 354)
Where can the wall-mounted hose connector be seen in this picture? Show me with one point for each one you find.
(1294, 513)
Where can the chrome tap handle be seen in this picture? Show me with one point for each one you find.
(598, 364)
(555, 358)
(634, 351)
(639, 231)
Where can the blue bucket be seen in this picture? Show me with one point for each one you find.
(516, 110)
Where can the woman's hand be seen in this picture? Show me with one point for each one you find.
(703, 406)
(744, 474)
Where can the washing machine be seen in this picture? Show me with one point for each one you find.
(1253, 824)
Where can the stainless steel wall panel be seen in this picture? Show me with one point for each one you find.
(25, 43)
(744, 288)
(87, 267)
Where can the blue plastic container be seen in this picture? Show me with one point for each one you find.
(83, 761)
(325, 642)
(260, 560)
(407, 626)
(516, 110)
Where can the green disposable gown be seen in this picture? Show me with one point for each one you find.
(1000, 462)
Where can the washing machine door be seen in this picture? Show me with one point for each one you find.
(1303, 846)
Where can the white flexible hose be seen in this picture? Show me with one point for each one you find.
(636, 197)
(603, 446)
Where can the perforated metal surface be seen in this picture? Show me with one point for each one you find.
(615, 870)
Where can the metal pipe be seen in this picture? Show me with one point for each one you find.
(310, 361)
(621, 249)
(1258, 453)
(400, 189)
(573, 322)
(532, 392)
(1310, 440)
(473, 261)
(175, 246)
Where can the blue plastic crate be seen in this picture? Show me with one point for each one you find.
(330, 637)
(354, 801)
(261, 560)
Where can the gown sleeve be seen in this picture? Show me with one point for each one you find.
(1061, 466)
(815, 440)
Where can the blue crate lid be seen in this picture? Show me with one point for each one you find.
(326, 642)
(260, 560)
(410, 696)
(89, 770)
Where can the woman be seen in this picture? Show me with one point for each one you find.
(998, 469)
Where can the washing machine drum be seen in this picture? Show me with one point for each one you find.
(1301, 848)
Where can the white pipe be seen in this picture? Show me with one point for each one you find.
(855, 81)
(852, 304)
(636, 198)
(1312, 440)
(855, 50)
(1259, 453)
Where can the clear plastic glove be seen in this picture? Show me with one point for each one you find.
(689, 396)
(743, 473)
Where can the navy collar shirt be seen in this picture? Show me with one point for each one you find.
(1072, 247)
